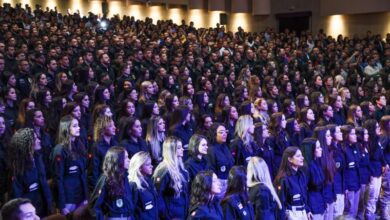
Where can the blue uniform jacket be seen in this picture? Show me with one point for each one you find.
(220, 159)
(234, 208)
(263, 202)
(351, 173)
(211, 211)
(316, 182)
(145, 201)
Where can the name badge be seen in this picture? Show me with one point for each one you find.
(355, 152)
(351, 164)
(223, 168)
(73, 169)
(296, 196)
(337, 164)
(240, 206)
(244, 212)
(119, 203)
(148, 205)
(33, 187)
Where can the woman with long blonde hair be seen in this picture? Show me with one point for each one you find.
(143, 191)
(243, 146)
(155, 136)
(262, 193)
(171, 181)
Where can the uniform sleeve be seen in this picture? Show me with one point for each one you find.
(16, 187)
(134, 194)
(212, 160)
(161, 183)
(229, 212)
(58, 173)
(99, 203)
(96, 166)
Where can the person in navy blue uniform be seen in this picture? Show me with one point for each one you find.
(261, 136)
(293, 130)
(111, 198)
(4, 141)
(155, 137)
(219, 155)
(307, 119)
(236, 203)
(377, 164)
(229, 119)
(197, 161)
(143, 191)
(328, 166)
(291, 183)
(384, 139)
(312, 151)
(104, 137)
(28, 171)
(262, 193)
(279, 139)
(69, 164)
(180, 127)
(338, 180)
(171, 181)
(130, 136)
(243, 146)
(351, 174)
(204, 204)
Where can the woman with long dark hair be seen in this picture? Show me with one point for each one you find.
(201, 103)
(307, 119)
(5, 135)
(144, 193)
(291, 183)
(293, 130)
(197, 156)
(28, 171)
(112, 197)
(69, 164)
(204, 204)
(261, 136)
(219, 155)
(171, 181)
(130, 136)
(262, 193)
(236, 203)
(229, 119)
(181, 128)
(385, 189)
(279, 138)
(352, 180)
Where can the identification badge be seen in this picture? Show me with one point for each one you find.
(240, 206)
(119, 203)
(355, 152)
(337, 164)
(223, 168)
(148, 205)
(244, 212)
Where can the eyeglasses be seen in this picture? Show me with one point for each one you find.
(223, 132)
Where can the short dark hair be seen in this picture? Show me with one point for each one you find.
(11, 209)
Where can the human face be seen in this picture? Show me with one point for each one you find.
(328, 138)
(74, 128)
(377, 129)
(251, 129)
(2, 126)
(179, 149)
(175, 102)
(109, 130)
(310, 115)
(63, 77)
(136, 130)
(226, 101)
(108, 112)
(77, 113)
(221, 134)
(27, 212)
(296, 160)
(12, 80)
(318, 150)
(48, 97)
(338, 134)
(190, 89)
(133, 95)
(30, 105)
(352, 136)
(12, 94)
(321, 99)
(150, 89)
(106, 94)
(161, 125)
(208, 122)
(156, 109)
(202, 148)
(43, 80)
(275, 108)
(205, 98)
(283, 122)
(216, 185)
(233, 113)
(371, 107)
(38, 119)
(306, 101)
(147, 168)
(338, 103)
(264, 105)
(359, 112)
(126, 161)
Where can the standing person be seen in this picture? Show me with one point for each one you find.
(180, 127)
(384, 199)
(236, 203)
(377, 164)
(312, 151)
(219, 155)
(204, 204)
(279, 138)
(28, 171)
(143, 192)
(352, 180)
(338, 180)
(130, 136)
(198, 151)
(111, 199)
(262, 193)
(171, 181)
(155, 136)
(291, 182)
(69, 163)
(261, 136)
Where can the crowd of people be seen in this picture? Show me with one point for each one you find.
(144, 120)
